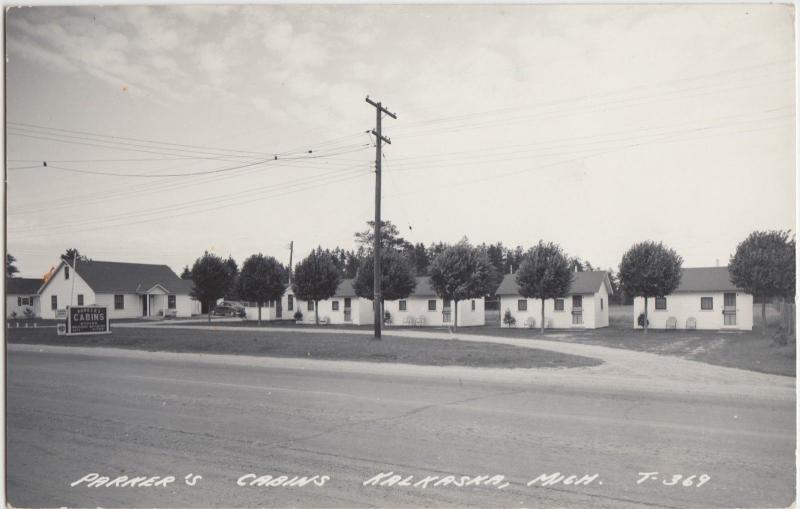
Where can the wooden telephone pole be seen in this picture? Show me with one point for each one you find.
(376, 301)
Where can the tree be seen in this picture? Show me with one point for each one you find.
(73, 253)
(544, 273)
(186, 274)
(11, 268)
(261, 280)
(764, 266)
(316, 278)
(212, 279)
(460, 272)
(649, 269)
(390, 236)
(397, 278)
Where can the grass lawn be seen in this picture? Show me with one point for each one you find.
(354, 347)
(745, 349)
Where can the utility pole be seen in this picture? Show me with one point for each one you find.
(291, 252)
(379, 111)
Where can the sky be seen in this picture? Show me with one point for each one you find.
(169, 131)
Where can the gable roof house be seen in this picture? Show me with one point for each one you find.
(705, 299)
(585, 305)
(345, 307)
(424, 307)
(21, 296)
(129, 290)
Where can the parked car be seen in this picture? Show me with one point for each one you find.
(229, 309)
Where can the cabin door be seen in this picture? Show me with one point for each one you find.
(729, 309)
(144, 305)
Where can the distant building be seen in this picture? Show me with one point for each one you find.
(705, 299)
(129, 290)
(21, 296)
(584, 307)
(424, 308)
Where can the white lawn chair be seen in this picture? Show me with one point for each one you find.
(530, 322)
(409, 320)
(324, 320)
(420, 321)
(672, 323)
(691, 323)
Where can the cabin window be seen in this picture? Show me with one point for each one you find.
(54, 302)
(473, 305)
(80, 299)
(601, 303)
(311, 305)
(66, 272)
(171, 302)
(706, 303)
(661, 303)
(335, 305)
(290, 302)
(432, 305)
(119, 302)
(559, 305)
(522, 305)
(403, 305)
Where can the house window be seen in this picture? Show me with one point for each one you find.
(80, 299)
(290, 302)
(577, 302)
(432, 305)
(559, 305)
(311, 305)
(522, 305)
(66, 272)
(403, 305)
(601, 303)
(706, 303)
(19, 301)
(171, 302)
(335, 305)
(119, 302)
(661, 303)
(473, 305)
(54, 302)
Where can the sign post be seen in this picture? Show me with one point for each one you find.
(83, 320)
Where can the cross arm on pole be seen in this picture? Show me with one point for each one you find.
(380, 107)
(384, 138)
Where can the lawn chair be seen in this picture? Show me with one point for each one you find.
(548, 323)
(530, 322)
(691, 323)
(672, 323)
(324, 320)
(420, 321)
(409, 320)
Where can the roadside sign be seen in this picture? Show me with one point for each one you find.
(87, 320)
(61, 314)
(61, 328)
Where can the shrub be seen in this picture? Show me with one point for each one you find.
(13, 314)
(641, 319)
(298, 315)
(28, 313)
(387, 317)
(509, 319)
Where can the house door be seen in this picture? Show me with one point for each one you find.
(278, 309)
(144, 305)
(729, 309)
(348, 310)
(577, 310)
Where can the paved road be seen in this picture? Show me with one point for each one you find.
(74, 411)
